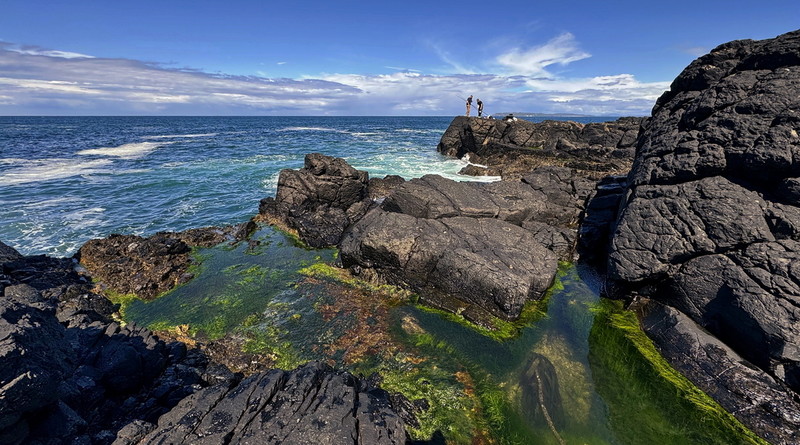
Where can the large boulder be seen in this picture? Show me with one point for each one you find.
(486, 262)
(472, 248)
(311, 405)
(319, 200)
(512, 147)
(709, 224)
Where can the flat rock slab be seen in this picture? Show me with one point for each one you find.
(310, 405)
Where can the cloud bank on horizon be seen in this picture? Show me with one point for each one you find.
(36, 80)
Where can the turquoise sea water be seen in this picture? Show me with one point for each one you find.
(65, 180)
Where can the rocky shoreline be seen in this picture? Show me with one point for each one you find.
(700, 238)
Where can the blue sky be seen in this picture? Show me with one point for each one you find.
(176, 57)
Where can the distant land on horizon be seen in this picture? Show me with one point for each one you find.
(528, 114)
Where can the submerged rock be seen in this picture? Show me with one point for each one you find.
(541, 398)
(709, 223)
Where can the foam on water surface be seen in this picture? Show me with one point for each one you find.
(53, 169)
(125, 151)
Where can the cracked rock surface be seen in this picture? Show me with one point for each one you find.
(311, 405)
(469, 247)
(709, 223)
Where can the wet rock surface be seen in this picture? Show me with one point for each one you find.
(755, 397)
(709, 221)
(147, 267)
(311, 405)
(511, 148)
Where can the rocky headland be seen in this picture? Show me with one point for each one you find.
(513, 147)
(701, 237)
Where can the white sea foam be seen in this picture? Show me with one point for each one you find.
(12, 161)
(53, 202)
(125, 151)
(417, 131)
(49, 169)
(175, 136)
(332, 130)
(84, 218)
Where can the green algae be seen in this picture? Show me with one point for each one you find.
(123, 300)
(291, 306)
(230, 284)
(645, 393)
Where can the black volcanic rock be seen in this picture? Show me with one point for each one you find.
(319, 200)
(70, 374)
(757, 398)
(35, 356)
(311, 405)
(709, 223)
(470, 247)
(482, 261)
(510, 148)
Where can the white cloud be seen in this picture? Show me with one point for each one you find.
(560, 50)
(43, 84)
(37, 51)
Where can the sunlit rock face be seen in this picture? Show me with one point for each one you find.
(710, 221)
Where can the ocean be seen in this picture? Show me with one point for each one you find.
(65, 180)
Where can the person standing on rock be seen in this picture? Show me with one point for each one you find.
(480, 107)
(469, 104)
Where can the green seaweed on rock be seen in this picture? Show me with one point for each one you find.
(648, 400)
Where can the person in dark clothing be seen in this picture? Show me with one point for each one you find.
(480, 107)
(469, 103)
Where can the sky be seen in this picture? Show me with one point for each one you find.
(242, 57)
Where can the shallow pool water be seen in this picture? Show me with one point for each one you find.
(571, 376)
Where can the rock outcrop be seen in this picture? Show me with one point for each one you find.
(147, 267)
(758, 400)
(319, 200)
(68, 373)
(710, 221)
(311, 405)
(469, 247)
(511, 148)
